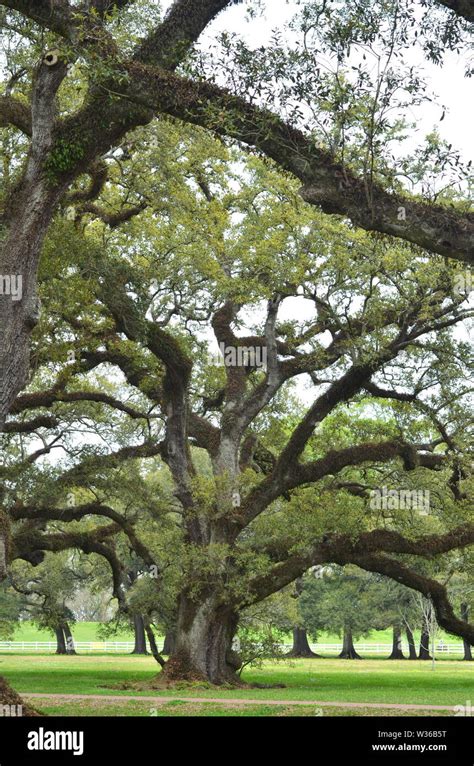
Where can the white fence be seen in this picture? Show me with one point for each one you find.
(125, 647)
(440, 648)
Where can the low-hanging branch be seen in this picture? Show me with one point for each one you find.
(78, 512)
(367, 551)
(431, 589)
(15, 113)
(40, 399)
(437, 228)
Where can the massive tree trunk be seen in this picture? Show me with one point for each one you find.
(301, 647)
(467, 646)
(411, 644)
(203, 650)
(169, 642)
(19, 309)
(70, 648)
(348, 648)
(139, 630)
(397, 652)
(60, 640)
(28, 214)
(424, 653)
(4, 544)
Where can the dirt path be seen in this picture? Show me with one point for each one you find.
(235, 701)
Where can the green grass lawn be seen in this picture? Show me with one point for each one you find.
(82, 631)
(451, 683)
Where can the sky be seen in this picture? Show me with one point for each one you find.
(455, 91)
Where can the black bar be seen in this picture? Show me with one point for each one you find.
(446, 739)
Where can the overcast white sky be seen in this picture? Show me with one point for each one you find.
(455, 91)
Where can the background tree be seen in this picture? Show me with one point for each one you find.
(301, 647)
(340, 603)
(47, 589)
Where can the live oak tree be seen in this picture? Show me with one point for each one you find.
(263, 488)
(279, 616)
(341, 603)
(301, 647)
(127, 85)
(46, 589)
(125, 88)
(394, 607)
(146, 608)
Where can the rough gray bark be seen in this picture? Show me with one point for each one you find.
(3, 556)
(28, 214)
(169, 642)
(203, 649)
(18, 257)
